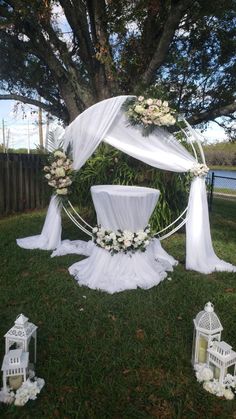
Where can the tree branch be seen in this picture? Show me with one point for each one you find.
(27, 100)
(212, 114)
(172, 23)
(75, 13)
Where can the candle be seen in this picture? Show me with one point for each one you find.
(216, 372)
(202, 350)
(201, 355)
(15, 381)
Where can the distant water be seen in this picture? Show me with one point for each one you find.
(220, 182)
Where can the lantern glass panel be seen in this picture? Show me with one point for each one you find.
(202, 349)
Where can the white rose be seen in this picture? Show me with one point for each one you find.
(60, 172)
(48, 176)
(68, 182)
(167, 120)
(128, 235)
(52, 183)
(95, 229)
(149, 102)
(228, 394)
(127, 243)
(208, 387)
(62, 191)
(46, 168)
(140, 98)
(59, 162)
(165, 104)
(59, 153)
(159, 102)
(139, 109)
(54, 165)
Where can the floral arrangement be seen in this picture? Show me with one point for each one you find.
(28, 391)
(205, 375)
(59, 172)
(199, 170)
(149, 113)
(122, 241)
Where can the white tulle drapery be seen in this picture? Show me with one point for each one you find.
(106, 121)
(50, 237)
(87, 131)
(200, 255)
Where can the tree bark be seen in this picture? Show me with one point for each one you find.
(165, 39)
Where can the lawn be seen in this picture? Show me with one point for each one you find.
(115, 356)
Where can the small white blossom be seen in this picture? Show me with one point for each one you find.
(199, 170)
(228, 394)
(204, 374)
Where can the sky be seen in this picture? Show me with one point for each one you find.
(23, 132)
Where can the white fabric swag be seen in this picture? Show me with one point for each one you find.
(106, 121)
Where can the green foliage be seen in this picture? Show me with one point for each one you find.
(221, 154)
(110, 166)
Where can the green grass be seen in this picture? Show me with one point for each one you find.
(226, 191)
(126, 355)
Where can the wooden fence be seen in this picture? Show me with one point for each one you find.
(21, 183)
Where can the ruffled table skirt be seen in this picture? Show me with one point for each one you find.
(102, 271)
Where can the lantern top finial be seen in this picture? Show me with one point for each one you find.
(209, 307)
(21, 320)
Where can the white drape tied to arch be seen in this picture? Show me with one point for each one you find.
(106, 121)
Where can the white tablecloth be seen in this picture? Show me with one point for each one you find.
(125, 208)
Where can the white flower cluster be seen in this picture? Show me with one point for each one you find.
(205, 375)
(122, 241)
(151, 112)
(199, 170)
(59, 172)
(28, 391)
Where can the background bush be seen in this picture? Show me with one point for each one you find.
(221, 154)
(110, 166)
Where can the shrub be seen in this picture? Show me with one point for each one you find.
(110, 166)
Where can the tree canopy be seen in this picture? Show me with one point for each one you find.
(73, 53)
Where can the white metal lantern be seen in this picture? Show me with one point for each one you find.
(220, 358)
(21, 334)
(207, 328)
(15, 364)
